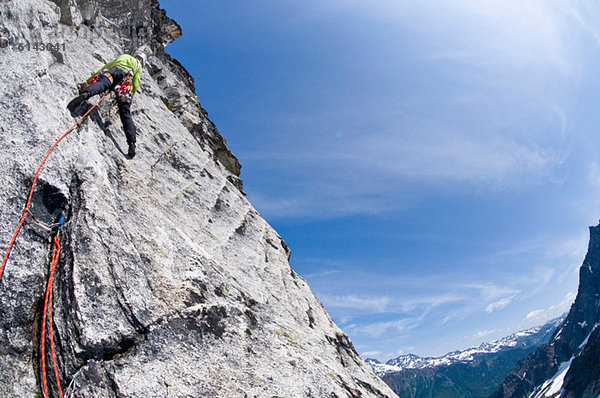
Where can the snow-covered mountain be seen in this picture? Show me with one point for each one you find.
(475, 372)
(569, 365)
(524, 339)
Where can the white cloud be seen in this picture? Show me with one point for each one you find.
(371, 354)
(378, 329)
(490, 292)
(441, 153)
(553, 311)
(563, 306)
(415, 302)
(586, 14)
(505, 31)
(363, 303)
(322, 274)
(485, 335)
(498, 305)
(414, 294)
(536, 314)
(569, 247)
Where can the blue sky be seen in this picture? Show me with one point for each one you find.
(433, 165)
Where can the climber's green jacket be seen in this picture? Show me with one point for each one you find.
(128, 62)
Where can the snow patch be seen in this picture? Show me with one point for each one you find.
(384, 368)
(588, 337)
(553, 387)
(559, 333)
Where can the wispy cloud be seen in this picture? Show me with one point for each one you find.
(323, 274)
(536, 314)
(378, 329)
(444, 299)
(371, 304)
(487, 108)
(549, 259)
(564, 305)
(586, 14)
(498, 305)
(485, 335)
(371, 354)
(553, 311)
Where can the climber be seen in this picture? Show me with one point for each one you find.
(122, 75)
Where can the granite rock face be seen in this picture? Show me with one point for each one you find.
(568, 366)
(169, 284)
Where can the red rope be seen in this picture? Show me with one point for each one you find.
(48, 316)
(53, 267)
(43, 349)
(25, 211)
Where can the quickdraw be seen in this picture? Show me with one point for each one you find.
(125, 86)
(42, 225)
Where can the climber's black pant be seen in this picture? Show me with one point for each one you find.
(127, 120)
(103, 84)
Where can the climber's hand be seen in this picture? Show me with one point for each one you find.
(81, 86)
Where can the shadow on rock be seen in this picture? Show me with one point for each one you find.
(95, 116)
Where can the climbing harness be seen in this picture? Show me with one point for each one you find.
(95, 78)
(120, 88)
(48, 311)
(124, 90)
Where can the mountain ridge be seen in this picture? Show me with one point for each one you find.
(524, 338)
(474, 372)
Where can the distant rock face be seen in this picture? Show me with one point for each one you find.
(569, 365)
(169, 284)
(475, 372)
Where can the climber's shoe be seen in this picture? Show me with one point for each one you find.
(77, 100)
(131, 150)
